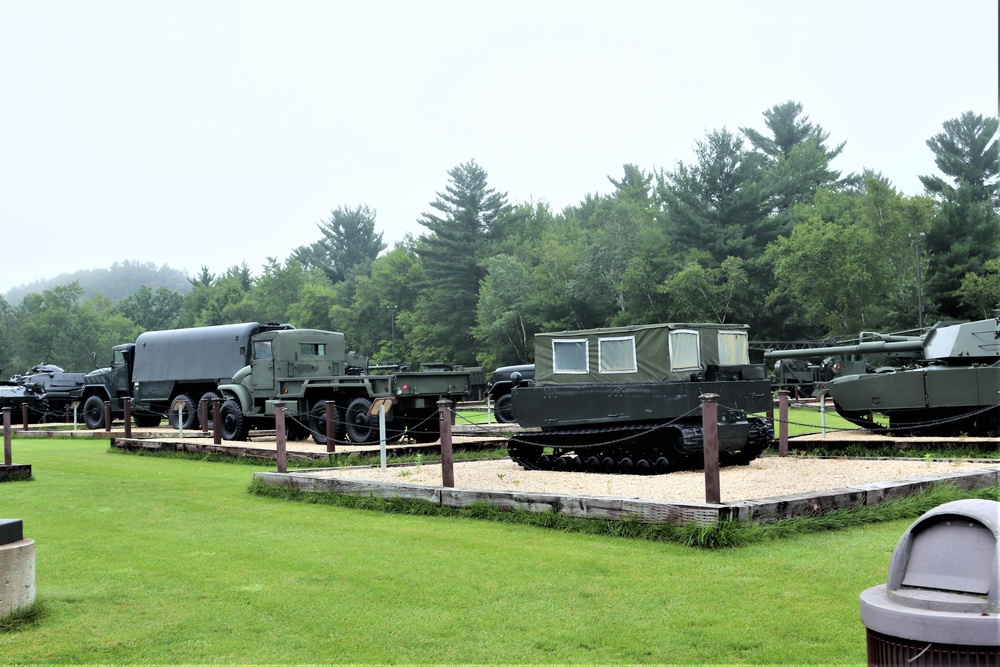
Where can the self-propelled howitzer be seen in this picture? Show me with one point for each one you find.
(951, 388)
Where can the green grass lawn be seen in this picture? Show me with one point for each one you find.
(158, 560)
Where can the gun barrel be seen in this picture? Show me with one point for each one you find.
(872, 347)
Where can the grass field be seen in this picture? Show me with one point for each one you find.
(157, 560)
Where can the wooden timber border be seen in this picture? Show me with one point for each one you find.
(760, 510)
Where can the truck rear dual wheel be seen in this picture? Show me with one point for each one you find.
(317, 422)
(189, 418)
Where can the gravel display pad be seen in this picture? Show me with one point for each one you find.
(764, 478)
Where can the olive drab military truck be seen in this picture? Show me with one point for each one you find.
(626, 399)
(164, 369)
(305, 368)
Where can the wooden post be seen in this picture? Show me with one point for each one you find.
(24, 416)
(107, 416)
(783, 422)
(447, 464)
(6, 437)
(710, 445)
(279, 425)
(128, 416)
(203, 415)
(330, 409)
(217, 421)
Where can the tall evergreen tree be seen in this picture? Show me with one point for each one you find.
(469, 218)
(350, 243)
(965, 233)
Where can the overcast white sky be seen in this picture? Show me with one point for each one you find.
(211, 133)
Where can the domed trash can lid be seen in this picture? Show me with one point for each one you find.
(943, 579)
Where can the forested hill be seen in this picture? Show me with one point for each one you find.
(117, 282)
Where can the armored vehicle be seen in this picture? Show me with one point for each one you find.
(47, 389)
(305, 368)
(164, 368)
(950, 387)
(627, 399)
(501, 384)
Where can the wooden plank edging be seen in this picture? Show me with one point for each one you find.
(636, 509)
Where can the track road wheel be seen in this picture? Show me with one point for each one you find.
(662, 465)
(234, 423)
(359, 426)
(643, 467)
(626, 466)
(502, 409)
(190, 412)
(93, 412)
(592, 464)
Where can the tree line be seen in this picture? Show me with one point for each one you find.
(758, 228)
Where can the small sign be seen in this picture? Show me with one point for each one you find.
(378, 403)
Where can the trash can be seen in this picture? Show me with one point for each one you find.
(941, 604)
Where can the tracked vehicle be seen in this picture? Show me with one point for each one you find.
(950, 388)
(627, 399)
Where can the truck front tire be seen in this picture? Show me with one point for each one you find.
(358, 422)
(93, 412)
(502, 409)
(234, 423)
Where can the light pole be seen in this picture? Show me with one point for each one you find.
(392, 319)
(920, 292)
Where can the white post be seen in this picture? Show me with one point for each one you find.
(75, 406)
(381, 432)
(822, 412)
(489, 410)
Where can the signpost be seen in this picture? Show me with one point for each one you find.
(380, 406)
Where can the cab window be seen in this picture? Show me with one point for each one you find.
(262, 349)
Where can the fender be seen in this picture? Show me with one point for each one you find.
(238, 393)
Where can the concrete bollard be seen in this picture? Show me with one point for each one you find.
(17, 568)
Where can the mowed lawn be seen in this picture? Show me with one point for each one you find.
(148, 560)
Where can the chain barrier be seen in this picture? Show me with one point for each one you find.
(905, 427)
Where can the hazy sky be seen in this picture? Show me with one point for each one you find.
(214, 133)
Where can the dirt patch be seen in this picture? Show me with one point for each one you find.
(764, 478)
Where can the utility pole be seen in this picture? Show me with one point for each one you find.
(392, 319)
(920, 292)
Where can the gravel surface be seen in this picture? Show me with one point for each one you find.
(763, 478)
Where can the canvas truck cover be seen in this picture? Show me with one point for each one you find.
(200, 353)
(641, 353)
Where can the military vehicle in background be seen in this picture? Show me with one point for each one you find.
(627, 399)
(305, 368)
(47, 389)
(950, 388)
(162, 369)
(501, 384)
(805, 378)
